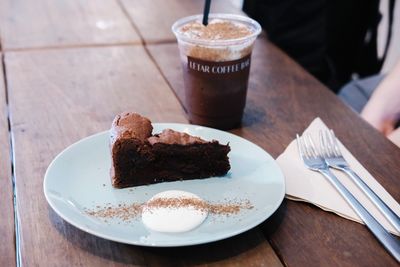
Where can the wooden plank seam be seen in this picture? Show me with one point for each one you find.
(11, 154)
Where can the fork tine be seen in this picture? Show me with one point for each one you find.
(331, 143)
(299, 146)
(322, 144)
(312, 147)
(303, 147)
(335, 144)
(329, 146)
(306, 146)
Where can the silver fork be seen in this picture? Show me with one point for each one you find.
(313, 160)
(333, 157)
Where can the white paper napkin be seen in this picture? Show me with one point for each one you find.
(305, 185)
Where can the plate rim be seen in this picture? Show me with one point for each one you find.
(236, 232)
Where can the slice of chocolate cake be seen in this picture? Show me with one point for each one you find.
(140, 158)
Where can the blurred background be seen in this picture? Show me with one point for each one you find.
(336, 41)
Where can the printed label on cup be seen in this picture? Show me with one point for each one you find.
(215, 92)
(234, 67)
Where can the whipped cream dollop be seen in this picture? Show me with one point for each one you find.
(174, 211)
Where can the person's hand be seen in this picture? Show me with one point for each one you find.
(383, 109)
(395, 137)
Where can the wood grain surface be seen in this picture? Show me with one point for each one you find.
(282, 100)
(154, 18)
(56, 98)
(53, 23)
(7, 233)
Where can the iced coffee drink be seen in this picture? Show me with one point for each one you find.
(216, 63)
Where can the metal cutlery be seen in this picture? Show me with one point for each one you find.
(313, 161)
(330, 151)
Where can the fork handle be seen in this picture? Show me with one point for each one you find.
(386, 211)
(391, 243)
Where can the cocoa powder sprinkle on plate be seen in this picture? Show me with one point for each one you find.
(127, 212)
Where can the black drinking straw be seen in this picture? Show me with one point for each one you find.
(206, 11)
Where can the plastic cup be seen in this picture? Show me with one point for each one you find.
(216, 72)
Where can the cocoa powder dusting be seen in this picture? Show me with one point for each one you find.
(215, 30)
(128, 212)
(229, 208)
(124, 212)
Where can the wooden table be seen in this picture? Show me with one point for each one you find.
(70, 66)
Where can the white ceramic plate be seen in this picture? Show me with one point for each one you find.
(78, 179)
